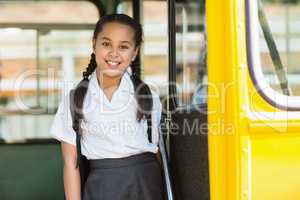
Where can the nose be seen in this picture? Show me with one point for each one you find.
(114, 52)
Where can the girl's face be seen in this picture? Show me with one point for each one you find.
(114, 49)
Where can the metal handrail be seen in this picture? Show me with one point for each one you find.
(165, 166)
(280, 70)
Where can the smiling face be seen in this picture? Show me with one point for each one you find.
(115, 49)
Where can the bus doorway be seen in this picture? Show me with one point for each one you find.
(187, 138)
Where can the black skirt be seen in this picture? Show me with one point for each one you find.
(137, 177)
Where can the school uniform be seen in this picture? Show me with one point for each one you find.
(122, 160)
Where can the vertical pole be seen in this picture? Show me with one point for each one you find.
(172, 51)
(136, 10)
(171, 103)
(136, 13)
(38, 79)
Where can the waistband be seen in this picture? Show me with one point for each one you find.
(121, 162)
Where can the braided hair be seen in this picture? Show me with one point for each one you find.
(142, 91)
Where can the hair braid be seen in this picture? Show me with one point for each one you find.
(142, 92)
(81, 89)
(91, 67)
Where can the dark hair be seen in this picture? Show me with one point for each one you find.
(142, 90)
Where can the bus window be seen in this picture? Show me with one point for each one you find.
(274, 43)
(191, 76)
(155, 56)
(154, 51)
(42, 54)
(125, 7)
(283, 19)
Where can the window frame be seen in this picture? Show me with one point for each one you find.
(38, 27)
(274, 98)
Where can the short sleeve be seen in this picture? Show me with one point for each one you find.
(156, 116)
(61, 128)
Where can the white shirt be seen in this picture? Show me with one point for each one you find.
(110, 128)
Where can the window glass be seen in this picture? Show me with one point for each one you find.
(154, 51)
(47, 12)
(125, 7)
(284, 19)
(42, 54)
(191, 76)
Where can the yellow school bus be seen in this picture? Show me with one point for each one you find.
(258, 157)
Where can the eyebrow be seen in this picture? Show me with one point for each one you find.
(106, 38)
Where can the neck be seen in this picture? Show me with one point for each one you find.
(107, 82)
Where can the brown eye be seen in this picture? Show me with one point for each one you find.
(124, 47)
(105, 44)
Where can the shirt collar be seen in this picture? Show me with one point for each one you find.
(125, 85)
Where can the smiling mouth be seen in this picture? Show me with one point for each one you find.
(113, 64)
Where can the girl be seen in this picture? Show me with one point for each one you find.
(123, 162)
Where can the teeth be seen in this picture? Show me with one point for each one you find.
(112, 63)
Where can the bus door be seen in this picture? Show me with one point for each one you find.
(187, 110)
(253, 103)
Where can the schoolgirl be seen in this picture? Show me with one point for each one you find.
(116, 105)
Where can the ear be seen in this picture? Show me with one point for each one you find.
(135, 53)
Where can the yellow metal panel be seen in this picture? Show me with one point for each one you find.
(223, 116)
(275, 167)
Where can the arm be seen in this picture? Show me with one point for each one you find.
(71, 173)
